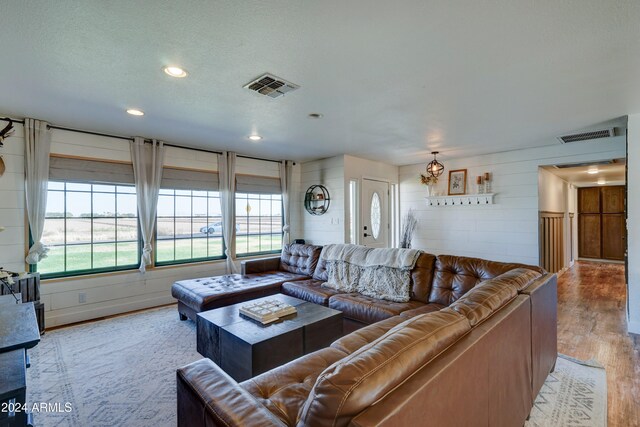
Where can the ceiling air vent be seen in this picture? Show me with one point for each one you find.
(271, 86)
(586, 136)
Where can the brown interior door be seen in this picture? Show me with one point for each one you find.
(589, 200)
(601, 222)
(613, 235)
(589, 235)
(613, 200)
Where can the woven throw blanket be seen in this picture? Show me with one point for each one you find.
(378, 273)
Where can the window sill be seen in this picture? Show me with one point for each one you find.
(186, 264)
(159, 268)
(133, 271)
(258, 255)
(88, 276)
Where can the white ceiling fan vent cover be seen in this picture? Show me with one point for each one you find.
(587, 136)
(271, 86)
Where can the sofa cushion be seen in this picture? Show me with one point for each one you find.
(487, 297)
(356, 382)
(321, 272)
(363, 336)
(211, 292)
(422, 277)
(454, 276)
(284, 390)
(299, 259)
(429, 308)
(309, 290)
(367, 309)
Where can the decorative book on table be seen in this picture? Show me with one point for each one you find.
(267, 311)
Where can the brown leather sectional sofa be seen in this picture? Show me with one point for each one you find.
(472, 347)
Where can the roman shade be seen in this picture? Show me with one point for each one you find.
(257, 184)
(185, 179)
(81, 170)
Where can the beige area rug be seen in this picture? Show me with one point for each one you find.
(121, 372)
(115, 372)
(575, 395)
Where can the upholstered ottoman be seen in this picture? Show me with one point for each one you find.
(260, 278)
(198, 295)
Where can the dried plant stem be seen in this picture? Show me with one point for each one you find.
(409, 225)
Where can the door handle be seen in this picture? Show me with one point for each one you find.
(366, 235)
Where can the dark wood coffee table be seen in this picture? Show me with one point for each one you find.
(244, 348)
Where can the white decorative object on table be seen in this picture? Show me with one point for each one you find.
(267, 311)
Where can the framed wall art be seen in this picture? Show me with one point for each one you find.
(457, 182)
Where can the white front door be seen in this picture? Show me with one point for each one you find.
(374, 221)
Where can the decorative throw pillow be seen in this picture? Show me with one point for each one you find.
(391, 284)
(342, 276)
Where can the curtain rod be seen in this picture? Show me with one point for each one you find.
(257, 158)
(131, 139)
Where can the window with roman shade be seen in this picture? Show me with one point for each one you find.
(258, 208)
(91, 220)
(189, 218)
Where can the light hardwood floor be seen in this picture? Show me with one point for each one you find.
(592, 324)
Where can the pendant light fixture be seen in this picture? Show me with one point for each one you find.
(435, 168)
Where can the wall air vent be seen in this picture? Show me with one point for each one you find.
(271, 86)
(586, 136)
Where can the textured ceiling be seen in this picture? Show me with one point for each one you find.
(394, 80)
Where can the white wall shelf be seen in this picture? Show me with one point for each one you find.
(465, 200)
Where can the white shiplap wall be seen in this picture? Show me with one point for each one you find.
(507, 230)
(111, 293)
(12, 204)
(327, 228)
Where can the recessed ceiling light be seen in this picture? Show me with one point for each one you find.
(593, 171)
(255, 137)
(315, 115)
(175, 72)
(135, 112)
(601, 182)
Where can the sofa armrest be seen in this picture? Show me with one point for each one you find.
(260, 265)
(207, 396)
(543, 293)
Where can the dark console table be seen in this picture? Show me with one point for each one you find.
(29, 287)
(244, 348)
(18, 332)
(13, 387)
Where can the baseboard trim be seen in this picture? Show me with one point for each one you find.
(605, 261)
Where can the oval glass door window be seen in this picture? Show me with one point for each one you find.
(375, 215)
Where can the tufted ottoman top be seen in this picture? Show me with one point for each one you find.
(203, 294)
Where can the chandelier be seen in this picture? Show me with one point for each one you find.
(435, 168)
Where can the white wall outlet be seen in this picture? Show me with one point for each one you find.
(335, 221)
(82, 297)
